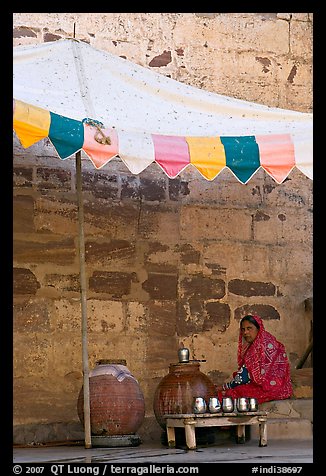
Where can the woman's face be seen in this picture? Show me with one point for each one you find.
(249, 331)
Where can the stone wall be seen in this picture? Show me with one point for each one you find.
(260, 57)
(167, 261)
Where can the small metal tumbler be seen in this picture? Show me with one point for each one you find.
(253, 404)
(242, 404)
(199, 405)
(227, 405)
(214, 405)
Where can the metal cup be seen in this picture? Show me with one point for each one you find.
(214, 405)
(183, 355)
(199, 405)
(227, 405)
(242, 404)
(253, 404)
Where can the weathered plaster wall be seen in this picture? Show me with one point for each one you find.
(261, 57)
(167, 261)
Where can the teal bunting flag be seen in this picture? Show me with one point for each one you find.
(242, 156)
(67, 135)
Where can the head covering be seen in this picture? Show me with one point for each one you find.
(243, 345)
(251, 319)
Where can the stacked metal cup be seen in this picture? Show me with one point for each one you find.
(214, 405)
(253, 404)
(200, 405)
(227, 405)
(242, 404)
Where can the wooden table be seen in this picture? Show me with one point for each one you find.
(190, 421)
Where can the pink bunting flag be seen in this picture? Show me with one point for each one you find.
(171, 153)
(98, 152)
(276, 155)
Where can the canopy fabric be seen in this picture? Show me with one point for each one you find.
(85, 99)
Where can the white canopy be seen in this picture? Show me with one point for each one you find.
(73, 79)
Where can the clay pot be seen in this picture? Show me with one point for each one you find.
(117, 405)
(178, 389)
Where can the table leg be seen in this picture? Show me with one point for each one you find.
(171, 436)
(263, 433)
(190, 435)
(241, 434)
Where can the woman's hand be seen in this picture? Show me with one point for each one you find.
(219, 388)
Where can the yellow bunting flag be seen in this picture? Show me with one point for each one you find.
(207, 155)
(31, 123)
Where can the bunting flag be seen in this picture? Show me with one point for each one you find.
(207, 155)
(31, 123)
(277, 154)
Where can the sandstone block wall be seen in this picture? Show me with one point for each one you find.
(261, 57)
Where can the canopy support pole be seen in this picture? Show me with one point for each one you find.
(87, 424)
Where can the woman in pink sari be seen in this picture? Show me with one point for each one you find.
(263, 366)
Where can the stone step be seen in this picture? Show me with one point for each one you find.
(286, 428)
(291, 418)
(289, 408)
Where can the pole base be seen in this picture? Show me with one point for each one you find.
(113, 441)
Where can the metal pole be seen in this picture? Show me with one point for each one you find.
(87, 419)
